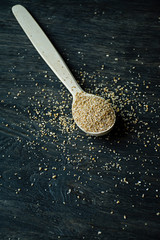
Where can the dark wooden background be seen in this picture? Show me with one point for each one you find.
(56, 182)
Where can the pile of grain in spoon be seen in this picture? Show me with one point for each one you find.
(92, 113)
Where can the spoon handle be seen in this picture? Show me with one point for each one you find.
(45, 48)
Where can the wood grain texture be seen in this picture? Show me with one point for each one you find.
(56, 182)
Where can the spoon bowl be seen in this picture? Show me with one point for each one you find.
(93, 114)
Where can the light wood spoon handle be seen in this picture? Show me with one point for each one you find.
(45, 48)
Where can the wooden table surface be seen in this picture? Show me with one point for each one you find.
(56, 182)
